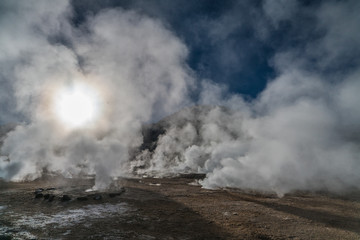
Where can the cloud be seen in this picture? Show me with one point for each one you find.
(340, 47)
(279, 10)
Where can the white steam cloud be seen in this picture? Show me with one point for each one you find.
(135, 61)
(301, 132)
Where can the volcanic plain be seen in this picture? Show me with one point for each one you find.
(170, 208)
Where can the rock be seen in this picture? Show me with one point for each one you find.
(5, 237)
(39, 190)
(46, 196)
(39, 195)
(51, 198)
(97, 197)
(226, 213)
(65, 198)
(82, 198)
(115, 194)
(50, 189)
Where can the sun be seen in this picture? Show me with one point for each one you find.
(77, 105)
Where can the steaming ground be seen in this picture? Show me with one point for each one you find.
(301, 132)
(171, 208)
(104, 95)
(236, 150)
(231, 149)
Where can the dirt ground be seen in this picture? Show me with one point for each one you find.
(175, 208)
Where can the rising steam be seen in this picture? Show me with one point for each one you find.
(132, 71)
(301, 132)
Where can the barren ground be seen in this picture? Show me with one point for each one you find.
(171, 209)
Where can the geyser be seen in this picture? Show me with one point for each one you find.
(77, 105)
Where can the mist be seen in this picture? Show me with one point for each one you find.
(136, 62)
(300, 133)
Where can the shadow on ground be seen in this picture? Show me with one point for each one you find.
(331, 220)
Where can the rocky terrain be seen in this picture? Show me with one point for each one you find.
(170, 208)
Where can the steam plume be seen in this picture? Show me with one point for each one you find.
(301, 132)
(135, 60)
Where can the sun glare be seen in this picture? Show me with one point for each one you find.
(77, 105)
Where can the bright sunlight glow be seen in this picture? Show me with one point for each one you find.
(77, 105)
